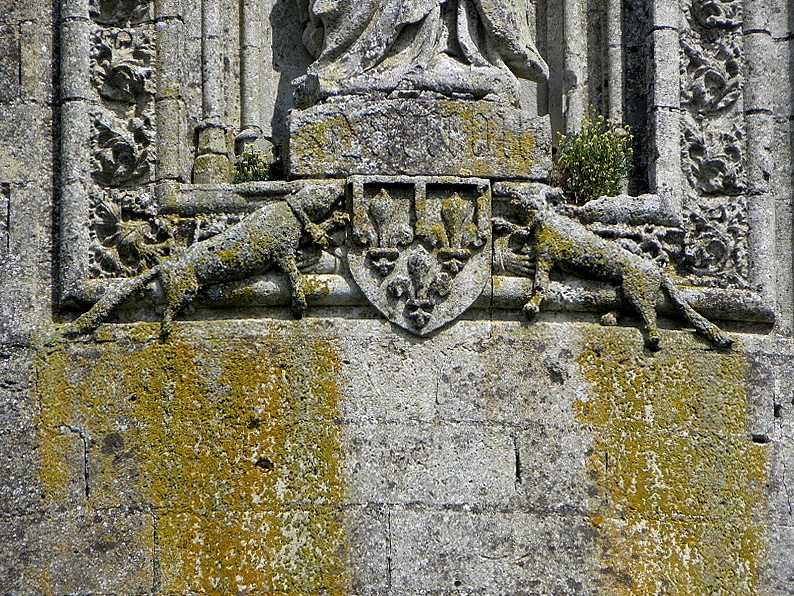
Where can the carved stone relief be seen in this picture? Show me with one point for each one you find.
(269, 237)
(560, 242)
(458, 49)
(713, 245)
(123, 151)
(121, 66)
(419, 157)
(127, 234)
(120, 12)
(422, 246)
(711, 93)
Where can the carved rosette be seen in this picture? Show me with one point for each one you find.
(422, 246)
(127, 235)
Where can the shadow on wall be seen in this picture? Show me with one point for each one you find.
(636, 65)
(290, 60)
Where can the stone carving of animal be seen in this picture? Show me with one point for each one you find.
(561, 242)
(267, 237)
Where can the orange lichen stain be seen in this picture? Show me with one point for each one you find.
(679, 482)
(232, 444)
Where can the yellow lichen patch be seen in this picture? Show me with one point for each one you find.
(679, 481)
(315, 286)
(233, 445)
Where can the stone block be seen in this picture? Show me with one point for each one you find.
(107, 552)
(16, 372)
(212, 168)
(477, 371)
(20, 489)
(367, 548)
(251, 552)
(10, 88)
(777, 574)
(35, 50)
(551, 469)
(418, 137)
(439, 464)
(527, 376)
(491, 553)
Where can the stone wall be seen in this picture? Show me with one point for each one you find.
(253, 453)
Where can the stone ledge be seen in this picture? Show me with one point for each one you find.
(504, 293)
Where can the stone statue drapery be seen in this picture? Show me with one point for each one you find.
(454, 48)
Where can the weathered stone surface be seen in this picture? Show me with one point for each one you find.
(107, 552)
(491, 553)
(461, 49)
(11, 67)
(418, 137)
(254, 454)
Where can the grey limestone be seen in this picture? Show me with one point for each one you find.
(417, 137)
(106, 552)
(489, 553)
(488, 455)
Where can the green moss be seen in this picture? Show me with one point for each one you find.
(593, 162)
(679, 481)
(251, 166)
(232, 444)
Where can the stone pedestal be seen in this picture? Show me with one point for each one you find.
(418, 137)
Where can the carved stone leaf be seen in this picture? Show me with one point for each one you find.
(121, 66)
(717, 14)
(711, 91)
(715, 241)
(122, 156)
(712, 160)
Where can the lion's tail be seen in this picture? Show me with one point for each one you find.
(703, 326)
(98, 313)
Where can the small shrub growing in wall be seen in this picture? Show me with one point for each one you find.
(251, 166)
(594, 162)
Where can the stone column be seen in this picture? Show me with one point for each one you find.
(77, 103)
(615, 60)
(172, 160)
(575, 83)
(212, 163)
(759, 121)
(665, 167)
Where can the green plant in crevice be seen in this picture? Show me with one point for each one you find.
(595, 161)
(251, 166)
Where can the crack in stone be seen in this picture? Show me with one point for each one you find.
(80, 433)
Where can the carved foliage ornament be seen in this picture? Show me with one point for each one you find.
(126, 245)
(121, 65)
(711, 93)
(119, 12)
(122, 156)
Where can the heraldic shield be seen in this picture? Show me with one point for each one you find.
(422, 246)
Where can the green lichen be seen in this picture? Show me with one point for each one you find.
(231, 444)
(679, 482)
